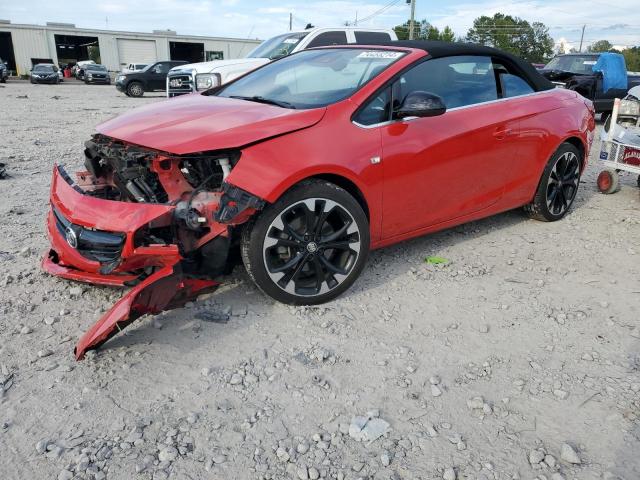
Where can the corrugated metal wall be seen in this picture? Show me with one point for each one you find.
(39, 42)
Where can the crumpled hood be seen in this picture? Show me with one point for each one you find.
(197, 123)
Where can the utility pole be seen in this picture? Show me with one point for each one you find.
(412, 20)
(581, 38)
(290, 21)
(356, 22)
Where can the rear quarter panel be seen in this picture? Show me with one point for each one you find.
(547, 119)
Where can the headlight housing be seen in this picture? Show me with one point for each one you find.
(205, 81)
(121, 78)
(629, 108)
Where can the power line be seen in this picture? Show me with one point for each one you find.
(379, 11)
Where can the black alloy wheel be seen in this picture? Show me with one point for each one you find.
(308, 247)
(311, 247)
(562, 184)
(558, 186)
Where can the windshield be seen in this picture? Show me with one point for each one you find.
(100, 68)
(277, 47)
(573, 63)
(44, 68)
(312, 78)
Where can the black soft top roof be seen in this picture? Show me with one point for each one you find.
(437, 49)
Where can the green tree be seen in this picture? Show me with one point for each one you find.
(447, 34)
(600, 46)
(512, 34)
(433, 33)
(423, 30)
(632, 58)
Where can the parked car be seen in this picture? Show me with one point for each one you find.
(45, 73)
(149, 79)
(4, 71)
(134, 67)
(308, 163)
(204, 75)
(95, 73)
(589, 75)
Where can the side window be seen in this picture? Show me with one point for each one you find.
(512, 86)
(511, 82)
(214, 55)
(371, 38)
(329, 38)
(376, 110)
(162, 67)
(458, 80)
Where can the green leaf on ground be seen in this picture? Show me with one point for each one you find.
(436, 260)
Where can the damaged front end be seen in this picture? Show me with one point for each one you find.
(162, 224)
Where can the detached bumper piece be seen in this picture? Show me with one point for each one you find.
(99, 240)
(163, 290)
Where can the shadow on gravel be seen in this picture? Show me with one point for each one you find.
(401, 258)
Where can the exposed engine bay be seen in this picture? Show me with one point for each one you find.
(166, 226)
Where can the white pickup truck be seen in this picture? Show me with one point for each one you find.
(202, 76)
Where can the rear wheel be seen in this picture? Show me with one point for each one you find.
(558, 186)
(134, 89)
(608, 181)
(309, 246)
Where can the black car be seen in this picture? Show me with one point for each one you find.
(574, 71)
(45, 73)
(4, 71)
(95, 73)
(151, 78)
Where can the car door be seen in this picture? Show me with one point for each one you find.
(444, 167)
(533, 117)
(158, 75)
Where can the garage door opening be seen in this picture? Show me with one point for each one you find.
(136, 51)
(191, 52)
(72, 49)
(6, 50)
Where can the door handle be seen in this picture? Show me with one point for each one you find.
(502, 132)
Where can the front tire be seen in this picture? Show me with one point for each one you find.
(558, 185)
(134, 89)
(309, 246)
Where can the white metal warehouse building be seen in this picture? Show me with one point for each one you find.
(22, 46)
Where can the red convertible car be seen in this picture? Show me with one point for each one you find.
(307, 164)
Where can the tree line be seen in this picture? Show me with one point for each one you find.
(530, 41)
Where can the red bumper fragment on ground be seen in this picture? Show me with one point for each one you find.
(165, 289)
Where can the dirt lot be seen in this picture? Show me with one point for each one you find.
(519, 359)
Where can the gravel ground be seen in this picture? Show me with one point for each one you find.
(519, 359)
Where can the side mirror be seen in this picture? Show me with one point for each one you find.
(421, 104)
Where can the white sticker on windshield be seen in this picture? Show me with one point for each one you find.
(291, 40)
(380, 54)
(589, 62)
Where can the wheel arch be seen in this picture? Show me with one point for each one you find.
(346, 184)
(136, 80)
(580, 145)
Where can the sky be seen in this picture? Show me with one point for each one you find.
(618, 22)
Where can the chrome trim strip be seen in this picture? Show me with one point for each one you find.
(388, 122)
